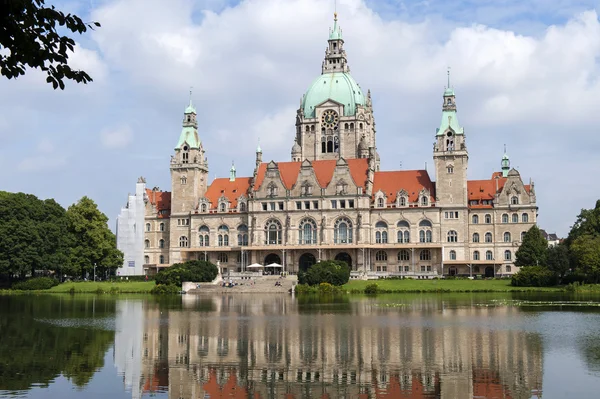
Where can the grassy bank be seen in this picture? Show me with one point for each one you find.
(92, 287)
(121, 287)
(409, 285)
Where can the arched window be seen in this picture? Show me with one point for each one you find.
(489, 255)
(515, 218)
(342, 232)
(523, 235)
(381, 256)
(424, 201)
(242, 235)
(161, 243)
(223, 235)
(425, 234)
(452, 236)
(161, 259)
(161, 227)
(475, 219)
(273, 232)
(308, 232)
(402, 201)
(505, 218)
(403, 255)
(146, 259)
(222, 257)
(453, 255)
(147, 243)
(425, 254)
(203, 237)
(148, 226)
(183, 242)
(507, 237)
(507, 255)
(514, 200)
(381, 235)
(323, 144)
(345, 126)
(525, 218)
(203, 208)
(475, 255)
(242, 207)
(403, 232)
(488, 219)
(475, 237)
(488, 237)
(380, 202)
(223, 207)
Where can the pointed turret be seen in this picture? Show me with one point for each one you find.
(449, 117)
(335, 55)
(505, 163)
(232, 172)
(296, 151)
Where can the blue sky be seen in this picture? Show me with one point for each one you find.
(525, 74)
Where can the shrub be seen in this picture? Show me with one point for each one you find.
(305, 289)
(534, 276)
(198, 271)
(165, 289)
(372, 289)
(34, 284)
(331, 271)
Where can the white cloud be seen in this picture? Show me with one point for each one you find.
(119, 137)
(43, 159)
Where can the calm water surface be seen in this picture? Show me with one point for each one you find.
(248, 346)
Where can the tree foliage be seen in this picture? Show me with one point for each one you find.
(586, 253)
(29, 30)
(534, 276)
(39, 236)
(587, 223)
(533, 250)
(558, 260)
(197, 271)
(93, 242)
(331, 271)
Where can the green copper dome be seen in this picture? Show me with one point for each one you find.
(337, 86)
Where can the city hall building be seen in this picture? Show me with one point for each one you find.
(331, 200)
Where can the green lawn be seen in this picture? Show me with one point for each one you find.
(125, 287)
(409, 285)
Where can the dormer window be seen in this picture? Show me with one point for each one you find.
(402, 201)
(514, 200)
(203, 208)
(424, 201)
(380, 203)
(223, 207)
(272, 190)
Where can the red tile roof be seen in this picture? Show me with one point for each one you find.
(162, 200)
(478, 190)
(230, 189)
(413, 181)
(323, 171)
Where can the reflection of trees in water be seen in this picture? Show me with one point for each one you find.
(36, 352)
(589, 346)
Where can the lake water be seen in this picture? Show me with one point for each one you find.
(250, 346)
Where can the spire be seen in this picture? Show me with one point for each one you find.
(232, 172)
(190, 108)
(258, 149)
(505, 163)
(335, 56)
(449, 118)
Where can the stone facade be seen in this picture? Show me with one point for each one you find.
(332, 201)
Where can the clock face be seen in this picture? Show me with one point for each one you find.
(330, 119)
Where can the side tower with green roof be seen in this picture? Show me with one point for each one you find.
(335, 113)
(189, 167)
(450, 156)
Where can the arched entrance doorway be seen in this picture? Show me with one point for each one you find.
(272, 258)
(489, 271)
(306, 261)
(344, 257)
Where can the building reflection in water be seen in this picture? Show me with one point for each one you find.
(275, 347)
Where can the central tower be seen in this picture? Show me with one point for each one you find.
(335, 118)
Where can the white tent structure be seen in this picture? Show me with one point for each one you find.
(255, 266)
(276, 265)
